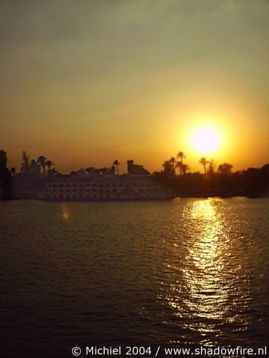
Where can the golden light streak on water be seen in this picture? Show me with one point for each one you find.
(203, 281)
(204, 276)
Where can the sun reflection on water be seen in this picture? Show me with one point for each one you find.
(203, 291)
(208, 298)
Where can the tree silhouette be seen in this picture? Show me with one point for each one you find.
(41, 160)
(172, 161)
(181, 156)
(184, 168)
(225, 169)
(203, 161)
(49, 164)
(113, 167)
(180, 165)
(168, 167)
(212, 166)
(25, 161)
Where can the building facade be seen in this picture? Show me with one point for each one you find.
(113, 187)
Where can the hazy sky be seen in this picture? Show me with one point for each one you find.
(85, 82)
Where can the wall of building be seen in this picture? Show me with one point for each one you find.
(104, 188)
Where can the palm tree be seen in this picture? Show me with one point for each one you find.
(168, 167)
(180, 156)
(184, 168)
(212, 166)
(225, 169)
(49, 164)
(25, 162)
(203, 161)
(172, 160)
(116, 163)
(179, 166)
(41, 160)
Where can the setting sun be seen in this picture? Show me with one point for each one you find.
(206, 140)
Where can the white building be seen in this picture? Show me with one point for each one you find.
(111, 187)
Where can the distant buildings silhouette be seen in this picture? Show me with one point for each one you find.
(135, 169)
(5, 176)
(38, 179)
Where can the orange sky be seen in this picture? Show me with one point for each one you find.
(85, 83)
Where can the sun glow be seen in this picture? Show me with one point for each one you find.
(206, 140)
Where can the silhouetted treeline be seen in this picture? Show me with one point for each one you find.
(41, 166)
(252, 182)
(215, 180)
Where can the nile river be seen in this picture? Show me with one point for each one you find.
(186, 272)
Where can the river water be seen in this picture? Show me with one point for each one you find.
(185, 272)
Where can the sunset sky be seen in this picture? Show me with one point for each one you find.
(87, 82)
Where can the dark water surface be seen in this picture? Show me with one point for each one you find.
(184, 271)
